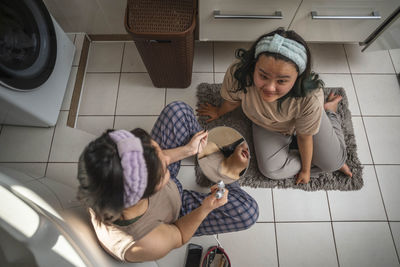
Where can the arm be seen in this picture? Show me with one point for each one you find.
(195, 145)
(305, 143)
(166, 237)
(189, 223)
(210, 148)
(215, 112)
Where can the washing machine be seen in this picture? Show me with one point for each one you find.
(35, 63)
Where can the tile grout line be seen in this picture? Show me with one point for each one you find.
(391, 59)
(341, 221)
(333, 231)
(122, 115)
(119, 84)
(51, 190)
(372, 158)
(276, 232)
(40, 162)
(380, 116)
(387, 216)
(142, 72)
(51, 145)
(359, 106)
(352, 79)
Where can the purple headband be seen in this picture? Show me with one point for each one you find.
(134, 168)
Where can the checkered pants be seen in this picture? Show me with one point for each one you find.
(174, 127)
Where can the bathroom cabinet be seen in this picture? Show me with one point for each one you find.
(342, 21)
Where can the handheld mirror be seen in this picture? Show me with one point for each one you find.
(226, 156)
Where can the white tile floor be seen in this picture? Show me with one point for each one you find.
(295, 228)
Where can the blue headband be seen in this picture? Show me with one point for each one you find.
(284, 46)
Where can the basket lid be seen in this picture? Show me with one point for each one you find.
(159, 16)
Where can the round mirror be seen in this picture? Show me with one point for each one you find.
(226, 156)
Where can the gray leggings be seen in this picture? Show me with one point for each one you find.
(276, 161)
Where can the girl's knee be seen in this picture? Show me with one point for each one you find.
(179, 105)
(268, 172)
(249, 213)
(178, 110)
(250, 217)
(332, 164)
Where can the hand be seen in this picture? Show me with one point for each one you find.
(211, 202)
(198, 142)
(303, 177)
(208, 110)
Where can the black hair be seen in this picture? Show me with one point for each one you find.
(101, 175)
(305, 82)
(229, 149)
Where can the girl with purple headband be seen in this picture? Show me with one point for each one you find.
(138, 208)
(274, 85)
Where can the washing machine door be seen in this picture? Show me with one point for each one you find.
(28, 45)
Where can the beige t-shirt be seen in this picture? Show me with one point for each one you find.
(164, 207)
(302, 115)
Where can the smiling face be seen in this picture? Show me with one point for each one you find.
(273, 78)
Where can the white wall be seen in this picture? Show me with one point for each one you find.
(90, 16)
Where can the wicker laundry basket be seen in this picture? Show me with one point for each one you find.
(163, 31)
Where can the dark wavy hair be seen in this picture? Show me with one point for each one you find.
(100, 175)
(229, 149)
(305, 82)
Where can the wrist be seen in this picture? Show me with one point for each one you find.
(306, 170)
(191, 150)
(204, 210)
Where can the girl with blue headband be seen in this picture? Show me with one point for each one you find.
(274, 85)
(138, 208)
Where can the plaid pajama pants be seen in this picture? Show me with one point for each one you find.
(175, 127)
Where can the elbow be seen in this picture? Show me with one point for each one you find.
(180, 238)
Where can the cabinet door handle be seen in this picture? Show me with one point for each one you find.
(374, 15)
(218, 15)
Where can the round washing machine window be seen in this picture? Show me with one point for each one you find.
(28, 44)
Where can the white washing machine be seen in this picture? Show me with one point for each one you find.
(35, 63)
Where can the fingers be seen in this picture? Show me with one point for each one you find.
(201, 134)
(299, 180)
(205, 106)
(214, 188)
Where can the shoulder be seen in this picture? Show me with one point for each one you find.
(314, 98)
(155, 244)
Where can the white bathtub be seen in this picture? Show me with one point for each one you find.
(36, 231)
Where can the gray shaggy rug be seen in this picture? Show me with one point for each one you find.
(253, 178)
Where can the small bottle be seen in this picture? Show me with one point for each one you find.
(221, 190)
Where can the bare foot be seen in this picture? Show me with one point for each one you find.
(346, 170)
(332, 102)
